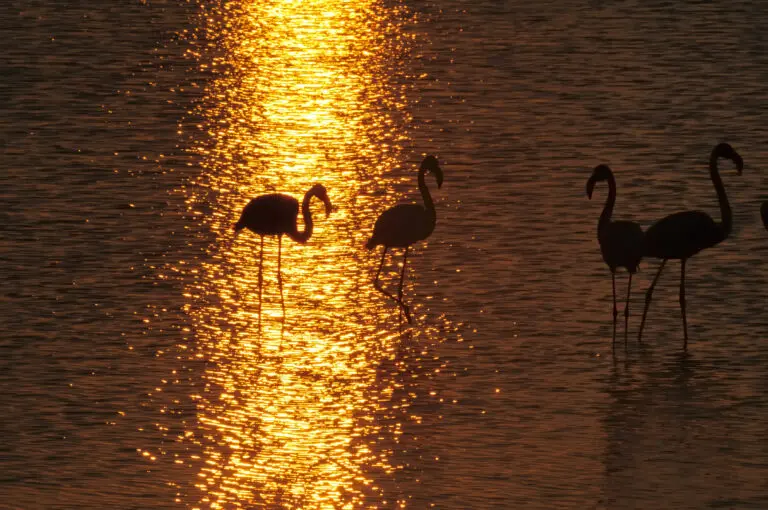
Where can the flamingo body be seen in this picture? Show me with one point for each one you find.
(621, 245)
(273, 214)
(401, 226)
(405, 224)
(682, 235)
(277, 214)
(622, 242)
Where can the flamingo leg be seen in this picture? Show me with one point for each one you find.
(261, 280)
(279, 274)
(615, 311)
(682, 304)
(648, 295)
(376, 282)
(626, 310)
(403, 306)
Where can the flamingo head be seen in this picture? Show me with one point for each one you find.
(430, 165)
(320, 192)
(725, 151)
(600, 173)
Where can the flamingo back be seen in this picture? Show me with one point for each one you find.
(401, 226)
(682, 235)
(273, 214)
(622, 244)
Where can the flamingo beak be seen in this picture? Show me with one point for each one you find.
(739, 163)
(439, 176)
(328, 206)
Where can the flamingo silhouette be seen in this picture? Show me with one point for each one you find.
(276, 214)
(621, 242)
(764, 213)
(402, 225)
(684, 234)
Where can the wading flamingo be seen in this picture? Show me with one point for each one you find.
(402, 225)
(621, 242)
(276, 214)
(684, 234)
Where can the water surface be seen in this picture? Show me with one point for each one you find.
(135, 371)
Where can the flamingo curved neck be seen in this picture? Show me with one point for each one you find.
(605, 216)
(303, 237)
(725, 208)
(428, 204)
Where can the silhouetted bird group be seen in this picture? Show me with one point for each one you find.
(677, 236)
(397, 227)
(622, 243)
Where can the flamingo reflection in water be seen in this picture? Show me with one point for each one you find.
(404, 224)
(621, 242)
(684, 234)
(276, 214)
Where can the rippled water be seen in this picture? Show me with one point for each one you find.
(134, 370)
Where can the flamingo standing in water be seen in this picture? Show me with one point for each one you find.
(764, 213)
(276, 214)
(621, 242)
(402, 225)
(684, 234)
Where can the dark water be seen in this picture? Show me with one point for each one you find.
(134, 374)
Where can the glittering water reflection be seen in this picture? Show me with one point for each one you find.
(304, 93)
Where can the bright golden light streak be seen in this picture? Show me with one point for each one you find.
(304, 92)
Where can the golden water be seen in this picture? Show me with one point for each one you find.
(134, 371)
(303, 94)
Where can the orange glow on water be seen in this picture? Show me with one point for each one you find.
(299, 97)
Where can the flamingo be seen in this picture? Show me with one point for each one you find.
(276, 214)
(764, 213)
(621, 242)
(684, 234)
(404, 224)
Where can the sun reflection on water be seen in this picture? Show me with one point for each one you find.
(303, 93)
